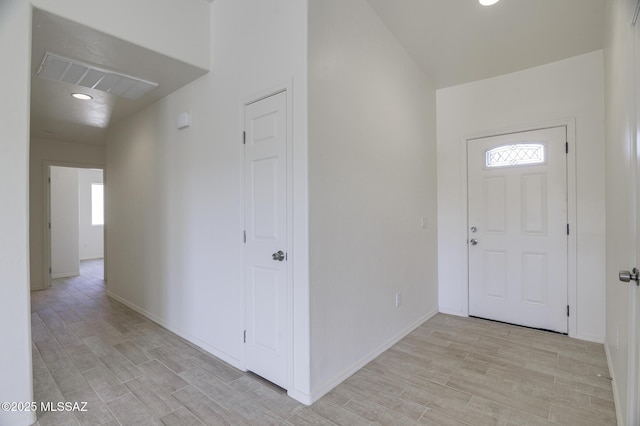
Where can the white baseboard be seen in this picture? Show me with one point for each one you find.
(301, 397)
(616, 397)
(65, 275)
(332, 383)
(448, 311)
(235, 362)
(589, 338)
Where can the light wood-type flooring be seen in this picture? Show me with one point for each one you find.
(449, 371)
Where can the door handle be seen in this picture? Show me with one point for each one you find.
(473, 242)
(626, 276)
(279, 256)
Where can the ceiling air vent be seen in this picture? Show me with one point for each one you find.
(57, 68)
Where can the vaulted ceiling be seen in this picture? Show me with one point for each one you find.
(459, 41)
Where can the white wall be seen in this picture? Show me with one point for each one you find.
(91, 243)
(620, 247)
(568, 88)
(179, 29)
(175, 200)
(372, 177)
(65, 252)
(15, 326)
(44, 152)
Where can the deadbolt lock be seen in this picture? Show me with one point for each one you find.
(626, 276)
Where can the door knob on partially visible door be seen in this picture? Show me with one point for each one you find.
(279, 256)
(473, 242)
(626, 276)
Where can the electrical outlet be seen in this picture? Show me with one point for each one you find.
(423, 222)
(397, 299)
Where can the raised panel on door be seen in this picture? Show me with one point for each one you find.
(534, 204)
(534, 278)
(495, 204)
(517, 201)
(265, 304)
(266, 275)
(264, 204)
(495, 274)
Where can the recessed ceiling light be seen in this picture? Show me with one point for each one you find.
(82, 96)
(488, 2)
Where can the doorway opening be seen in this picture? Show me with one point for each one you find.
(74, 232)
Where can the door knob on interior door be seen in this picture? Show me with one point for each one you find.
(473, 242)
(279, 256)
(626, 276)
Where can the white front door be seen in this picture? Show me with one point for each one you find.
(518, 243)
(267, 346)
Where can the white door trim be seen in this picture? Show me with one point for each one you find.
(571, 205)
(46, 247)
(287, 89)
(633, 372)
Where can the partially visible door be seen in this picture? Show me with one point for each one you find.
(633, 402)
(265, 164)
(518, 243)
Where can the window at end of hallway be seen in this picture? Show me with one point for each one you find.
(97, 204)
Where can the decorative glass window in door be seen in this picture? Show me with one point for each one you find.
(515, 155)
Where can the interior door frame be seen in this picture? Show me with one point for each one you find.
(275, 90)
(570, 124)
(633, 368)
(46, 257)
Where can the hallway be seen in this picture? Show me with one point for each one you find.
(449, 371)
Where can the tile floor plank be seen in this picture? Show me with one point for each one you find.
(205, 409)
(129, 411)
(105, 384)
(181, 417)
(162, 376)
(157, 400)
(121, 367)
(132, 352)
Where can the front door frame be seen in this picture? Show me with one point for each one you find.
(287, 89)
(570, 124)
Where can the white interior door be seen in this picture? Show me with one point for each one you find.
(518, 242)
(267, 345)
